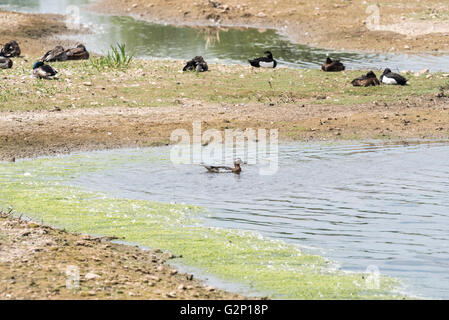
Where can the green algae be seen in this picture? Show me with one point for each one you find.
(41, 189)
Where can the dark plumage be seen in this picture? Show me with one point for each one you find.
(264, 62)
(222, 169)
(78, 53)
(56, 54)
(10, 50)
(43, 71)
(5, 63)
(370, 79)
(389, 77)
(332, 65)
(196, 64)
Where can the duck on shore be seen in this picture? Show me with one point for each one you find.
(223, 169)
(196, 64)
(332, 65)
(389, 77)
(5, 63)
(43, 71)
(10, 50)
(370, 79)
(264, 62)
(56, 54)
(78, 53)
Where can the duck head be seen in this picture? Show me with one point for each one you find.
(371, 75)
(38, 64)
(269, 54)
(238, 162)
(386, 71)
(328, 60)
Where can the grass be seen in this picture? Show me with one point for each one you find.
(116, 58)
(144, 83)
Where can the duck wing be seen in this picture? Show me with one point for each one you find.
(77, 53)
(218, 169)
(398, 78)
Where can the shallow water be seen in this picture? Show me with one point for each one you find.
(226, 46)
(361, 205)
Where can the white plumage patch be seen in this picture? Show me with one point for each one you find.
(266, 64)
(387, 80)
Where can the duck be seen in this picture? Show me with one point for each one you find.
(222, 169)
(264, 62)
(10, 50)
(78, 53)
(56, 54)
(43, 71)
(389, 77)
(196, 64)
(332, 65)
(370, 79)
(5, 63)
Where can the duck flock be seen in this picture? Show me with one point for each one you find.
(41, 70)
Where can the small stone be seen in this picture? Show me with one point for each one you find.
(91, 276)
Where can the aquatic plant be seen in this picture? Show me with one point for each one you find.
(116, 58)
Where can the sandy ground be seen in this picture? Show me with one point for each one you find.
(394, 25)
(35, 133)
(36, 261)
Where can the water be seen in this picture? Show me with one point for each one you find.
(225, 46)
(361, 205)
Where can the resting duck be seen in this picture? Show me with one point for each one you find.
(370, 79)
(78, 53)
(196, 64)
(221, 169)
(56, 54)
(43, 71)
(389, 77)
(264, 62)
(10, 50)
(332, 65)
(5, 63)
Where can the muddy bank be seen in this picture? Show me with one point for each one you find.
(392, 26)
(36, 261)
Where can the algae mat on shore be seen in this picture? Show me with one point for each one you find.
(40, 188)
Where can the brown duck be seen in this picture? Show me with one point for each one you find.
(332, 65)
(56, 54)
(78, 53)
(370, 79)
(222, 169)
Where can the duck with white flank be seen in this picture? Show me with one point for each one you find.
(43, 71)
(389, 77)
(221, 169)
(264, 62)
(5, 63)
(332, 65)
(370, 79)
(196, 64)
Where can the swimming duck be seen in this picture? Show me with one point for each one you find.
(389, 77)
(370, 79)
(332, 65)
(221, 169)
(264, 62)
(56, 54)
(43, 71)
(5, 63)
(196, 64)
(10, 50)
(78, 53)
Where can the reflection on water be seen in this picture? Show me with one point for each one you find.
(233, 45)
(361, 205)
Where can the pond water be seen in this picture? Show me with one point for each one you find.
(362, 204)
(225, 46)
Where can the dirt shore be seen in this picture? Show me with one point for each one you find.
(36, 261)
(392, 26)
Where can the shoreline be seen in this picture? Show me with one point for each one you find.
(406, 29)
